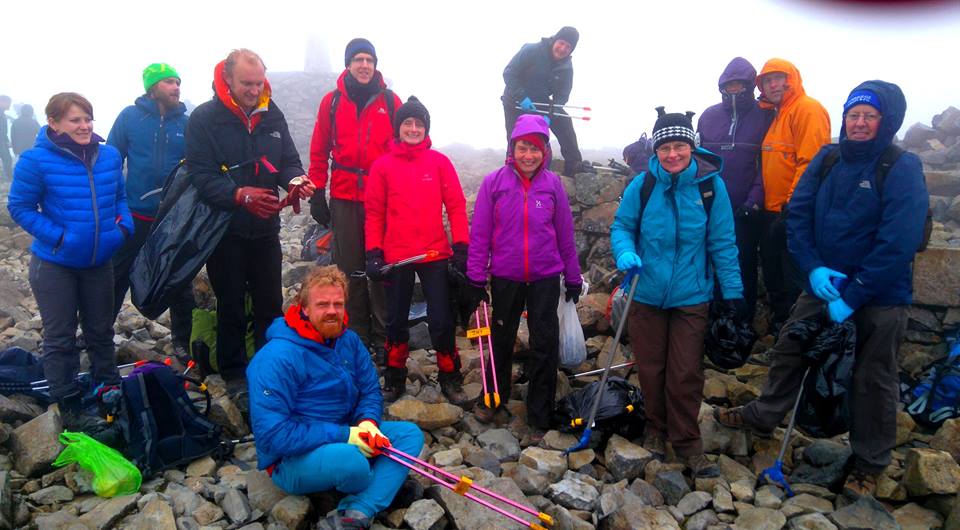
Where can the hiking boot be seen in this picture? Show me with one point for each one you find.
(733, 418)
(345, 520)
(75, 419)
(701, 467)
(653, 441)
(860, 484)
(182, 353)
(484, 414)
(378, 355)
(394, 383)
(535, 437)
(764, 358)
(451, 385)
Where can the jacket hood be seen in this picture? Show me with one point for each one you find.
(530, 124)
(222, 91)
(739, 69)
(794, 82)
(894, 106)
(703, 165)
(546, 43)
(293, 327)
(149, 105)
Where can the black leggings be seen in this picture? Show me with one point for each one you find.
(436, 289)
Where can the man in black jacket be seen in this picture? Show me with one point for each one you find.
(538, 81)
(239, 152)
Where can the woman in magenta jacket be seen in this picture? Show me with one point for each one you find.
(522, 239)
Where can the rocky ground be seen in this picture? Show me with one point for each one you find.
(616, 485)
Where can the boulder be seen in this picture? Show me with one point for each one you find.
(917, 135)
(930, 471)
(155, 514)
(625, 460)
(824, 464)
(36, 444)
(262, 493)
(292, 512)
(501, 443)
(760, 519)
(108, 513)
(551, 463)
(235, 505)
(573, 493)
(425, 514)
(866, 513)
(51, 495)
(426, 416)
(694, 502)
(915, 517)
(947, 438)
(672, 486)
(633, 515)
(201, 467)
(811, 521)
(805, 503)
(465, 514)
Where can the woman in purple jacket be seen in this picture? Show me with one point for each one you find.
(522, 238)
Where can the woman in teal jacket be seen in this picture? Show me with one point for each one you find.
(674, 228)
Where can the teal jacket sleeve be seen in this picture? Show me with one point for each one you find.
(722, 243)
(623, 231)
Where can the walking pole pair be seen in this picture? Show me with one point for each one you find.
(390, 266)
(458, 484)
(479, 333)
(33, 386)
(548, 113)
(599, 370)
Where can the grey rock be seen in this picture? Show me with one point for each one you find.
(185, 500)
(6, 501)
(694, 502)
(530, 481)
(917, 135)
(824, 464)
(929, 471)
(647, 492)
(51, 495)
(742, 490)
(672, 486)
(187, 523)
(292, 512)
(558, 441)
(914, 517)
(425, 514)
(448, 458)
(465, 514)
(224, 412)
(482, 458)
(551, 463)
(624, 459)
(811, 521)
(634, 514)
(62, 520)
(12, 410)
(207, 513)
(722, 499)
(769, 497)
(805, 503)
(201, 467)
(154, 515)
(107, 514)
(564, 520)
(235, 505)
(501, 443)
(733, 471)
(574, 493)
(866, 513)
(761, 519)
(262, 493)
(701, 520)
(36, 443)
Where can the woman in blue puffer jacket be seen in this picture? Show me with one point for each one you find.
(68, 193)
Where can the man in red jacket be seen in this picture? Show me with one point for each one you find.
(354, 127)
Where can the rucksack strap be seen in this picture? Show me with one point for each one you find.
(334, 103)
(707, 194)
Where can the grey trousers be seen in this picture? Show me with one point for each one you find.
(63, 293)
(367, 302)
(876, 392)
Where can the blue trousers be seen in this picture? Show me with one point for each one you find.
(370, 484)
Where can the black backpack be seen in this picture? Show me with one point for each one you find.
(162, 427)
(888, 158)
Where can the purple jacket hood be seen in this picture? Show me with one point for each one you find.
(530, 124)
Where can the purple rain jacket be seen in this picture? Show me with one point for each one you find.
(520, 234)
(734, 129)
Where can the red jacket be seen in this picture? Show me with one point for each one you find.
(407, 191)
(359, 142)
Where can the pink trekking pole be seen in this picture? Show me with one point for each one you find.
(493, 365)
(483, 369)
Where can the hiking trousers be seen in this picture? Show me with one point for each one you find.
(63, 293)
(781, 276)
(540, 299)
(237, 266)
(562, 127)
(370, 483)
(667, 347)
(181, 307)
(366, 304)
(436, 289)
(876, 381)
(748, 230)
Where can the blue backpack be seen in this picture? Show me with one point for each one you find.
(936, 398)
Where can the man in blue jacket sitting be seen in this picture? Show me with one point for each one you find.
(854, 235)
(313, 392)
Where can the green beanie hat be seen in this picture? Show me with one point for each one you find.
(157, 72)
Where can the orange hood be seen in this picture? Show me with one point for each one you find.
(223, 94)
(794, 88)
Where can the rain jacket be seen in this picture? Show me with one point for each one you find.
(407, 192)
(152, 144)
(306, 392)
(219, 133)
(520, 234)
(533, 73)
(72, 211)
(800, 127)
(679, 254)
(843, 223)
(734, 129)
(361, 138)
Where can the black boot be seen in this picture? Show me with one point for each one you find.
(75, 419)
(394, 383)
(451, 384)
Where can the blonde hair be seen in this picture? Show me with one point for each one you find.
(320, 277)
(236, 55)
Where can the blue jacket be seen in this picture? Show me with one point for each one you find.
(843, 223)
(152, 145)
(72, 211)
(303, 394)
(678, 253)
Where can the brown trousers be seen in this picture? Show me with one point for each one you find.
(367, 303)
(667, 348)
(873, 406)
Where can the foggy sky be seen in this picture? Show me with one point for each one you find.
(632, 56)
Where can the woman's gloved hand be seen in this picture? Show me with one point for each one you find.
(356, 440)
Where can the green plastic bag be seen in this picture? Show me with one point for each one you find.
(113, 475)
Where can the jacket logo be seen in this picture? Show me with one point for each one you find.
(275, 134)
(539, 204)
(179, 134)
(865, 184)
(381, 110)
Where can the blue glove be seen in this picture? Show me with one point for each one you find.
(629, 260)
(821, 283)
(839, 310)
(526, 104)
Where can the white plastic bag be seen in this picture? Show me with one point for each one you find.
(573, 347)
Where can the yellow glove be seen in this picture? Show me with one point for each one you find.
(357, 441)
(376, 437)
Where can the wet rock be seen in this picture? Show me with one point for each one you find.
(292, 512)
(426, 416)
(930, 471)
(760, 519)
(501, 443)
(108, 513)
(804, 503)
(914, 517)
(866, 513)
(812, 521)
(625, 460)
(51, 495)
(551, 463)
(824, 464)
(36, 444)
(465, 514)
(947, 438)
(573, 493)
(425, 514)
(694, 502)
(672, 486)
(154, 515)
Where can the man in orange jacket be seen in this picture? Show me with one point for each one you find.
(800, 127)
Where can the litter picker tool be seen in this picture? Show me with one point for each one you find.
(479, 333)
(554, 114)
(598, 370)
(774, 473)
(390, 266)
(564, 106)
(458, 484)
(588, 430)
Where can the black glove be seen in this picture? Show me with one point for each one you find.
(459, 259)
(475, 294)
(318, 207)
(374, 263)
(573, 292)
(742, 212)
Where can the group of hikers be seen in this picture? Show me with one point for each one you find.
(755, 185)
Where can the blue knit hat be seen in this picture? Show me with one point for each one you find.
(358, 45)
(862, 97)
